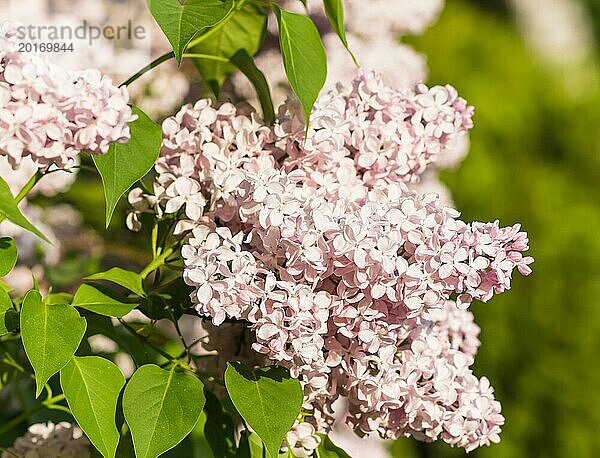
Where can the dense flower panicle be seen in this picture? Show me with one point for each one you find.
(415, 383)
(388, 134)
(49, 440)
(353, 281)
(203, 155)
(52, 114)
(394, 245)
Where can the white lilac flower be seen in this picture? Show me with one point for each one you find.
(340, 272)
(51, 114)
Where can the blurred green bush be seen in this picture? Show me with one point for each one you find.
(535, 159)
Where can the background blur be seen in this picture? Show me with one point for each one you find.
(535, 159)
(532, 70)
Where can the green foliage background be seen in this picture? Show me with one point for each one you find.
(535, 159)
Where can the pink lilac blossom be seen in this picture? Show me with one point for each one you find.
(351, 280)
(51, 114)
(158, 95)
(387, 133)
(343, 436)
(202, 158)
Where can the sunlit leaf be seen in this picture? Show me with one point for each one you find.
(161, 408)
(51, 334)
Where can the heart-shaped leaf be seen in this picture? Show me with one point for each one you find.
(182, 22)
(92, 386)
(268, 399)
(303, 56)
(51, 335)
(161, 408)
(8, 255)
(122, 277)
(126, 163)
(9, 209)
(101, 302)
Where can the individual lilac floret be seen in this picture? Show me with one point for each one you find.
(52, 114)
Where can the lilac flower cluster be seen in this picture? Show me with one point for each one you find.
(354, 282)
(52, 114)
(387, 133)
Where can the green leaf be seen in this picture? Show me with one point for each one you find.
(9, 318)
(303, 57)
(10, 210)
(268, 399)
(245, 31)
(219, 429)
(92, 386)
(8, 255)
(126, 163)
(335, 13)
(102, 302)
(182, 22)
(51, 334)
(161, 408)
(327, 449)
(245, 63)
(122, 277)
